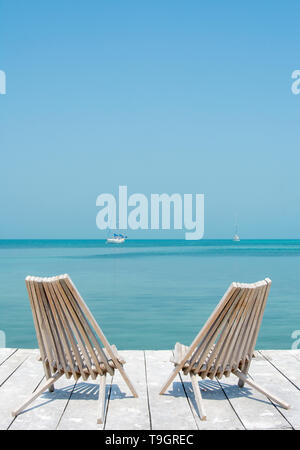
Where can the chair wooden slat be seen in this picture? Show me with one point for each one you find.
(246, 356)
(233, 327)
(85, 328)
(64, 362)
(234, 351)
(70, 327)
(59, 326)
(44, 326)
(213, 347)
(68, 341)
(257, 321)
(83, 343)
(208, 340)
(214, 360)
(93, 322)
(223, 338)
(101, 336)
(38, 329)
(49, 319)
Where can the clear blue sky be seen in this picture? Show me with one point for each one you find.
(161, 96)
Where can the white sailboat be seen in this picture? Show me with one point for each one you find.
(236, 237)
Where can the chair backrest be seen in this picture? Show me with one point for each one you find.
(227, 340)
(68, 335)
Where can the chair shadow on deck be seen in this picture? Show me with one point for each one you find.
(117, 394)
(78, 391)
(212, 390)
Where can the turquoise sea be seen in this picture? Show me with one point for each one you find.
(148, 294)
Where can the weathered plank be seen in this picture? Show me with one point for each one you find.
(126, 412)
(170, 411)
(81, 410)
(266, 374)
(18, 387)
(220, 415)
(254, 409)
(287, 362)
(5, 353)
(45, 412)
(11, 364)
(295, 353)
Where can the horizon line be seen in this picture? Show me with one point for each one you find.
(150, 239)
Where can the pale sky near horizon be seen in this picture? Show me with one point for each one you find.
(161, 96)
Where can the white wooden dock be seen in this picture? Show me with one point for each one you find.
(74, 405)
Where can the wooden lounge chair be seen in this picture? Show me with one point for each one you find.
(226, 343)
(69, 338)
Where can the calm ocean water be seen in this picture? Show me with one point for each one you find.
(148, 294)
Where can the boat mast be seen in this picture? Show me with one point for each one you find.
(236, 224)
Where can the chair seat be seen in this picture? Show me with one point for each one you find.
(94, 368)
(180, 350)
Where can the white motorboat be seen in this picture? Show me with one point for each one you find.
(116, 239)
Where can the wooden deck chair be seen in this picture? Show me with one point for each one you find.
(226, 343)
(69, 338)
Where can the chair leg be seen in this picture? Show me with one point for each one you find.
(36, 394)
(101, 400)
(171, 377)
(198, 396)
(127, 380)
(245, 370)
(241, 383)
(251, 383)
(48, 374)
